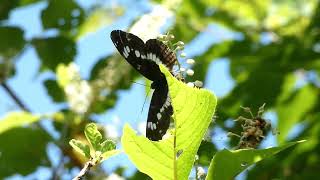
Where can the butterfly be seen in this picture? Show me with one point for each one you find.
(145, 58)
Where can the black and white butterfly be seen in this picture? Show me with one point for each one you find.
(145, 58)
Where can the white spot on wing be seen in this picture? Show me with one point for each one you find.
(128, 49)
(125, 52)
(149, 125)
(158, 116)
(154, 126)
(137, 53)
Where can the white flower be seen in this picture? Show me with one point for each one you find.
(183, 55)
(180, 43)
(198, 83)
(201, 172)
(190, 61)
(190, 72)
(152, 21)
(182, 69)
(114, 176)
(190, 84)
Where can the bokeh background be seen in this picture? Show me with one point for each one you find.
(59, 66)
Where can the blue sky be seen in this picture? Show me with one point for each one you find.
(27, 83)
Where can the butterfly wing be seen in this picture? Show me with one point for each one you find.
(162, 52)
(160, 111)
(133, 49)
(145, 59)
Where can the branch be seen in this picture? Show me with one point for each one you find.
(84, 170)
(14, 97)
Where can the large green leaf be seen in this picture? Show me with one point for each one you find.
(23, 150)
(61, 14)
(6, 6)
(54, 51)
(17, 119)
(12, 41)
(98, 19)
(54, 90)
(292, 109)
(227, 164)
(172, 158)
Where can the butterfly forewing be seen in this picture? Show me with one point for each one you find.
(133, 49)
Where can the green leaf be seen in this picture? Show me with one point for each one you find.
(16, 119)
(12, 41)
(108, 154)
(80, 147)
(6, 6)
(292, 109)
(54, 51)
(228, 164)
(54, 90)
(107, 145)
(23, 150)
(98, 19)
(193, 112)
(61, 14)
(93, 136)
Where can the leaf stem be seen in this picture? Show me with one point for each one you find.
(84, 170)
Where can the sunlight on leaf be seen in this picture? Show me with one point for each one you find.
(108, 154)
(99, 19)
(107, 145)
(17, 119)
(293, 108)
(193, 112)
(228, 164)
(93, 136)
(80, 147)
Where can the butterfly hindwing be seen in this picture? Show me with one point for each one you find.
(160, 111)
(162, 52)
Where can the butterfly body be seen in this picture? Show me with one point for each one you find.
(145, 58)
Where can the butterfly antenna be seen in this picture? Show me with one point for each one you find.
(145, 99)
(140, 84)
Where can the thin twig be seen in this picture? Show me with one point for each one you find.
(84, 170)
(15, 97)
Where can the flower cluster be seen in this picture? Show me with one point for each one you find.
(178, 48)
(78, 91)
(253, 130)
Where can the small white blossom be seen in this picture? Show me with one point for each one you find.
(190, 61)
(190, 72)
(182, 69)
(198, 83)
(171, 36)
(190, 84)
(201, 172)
(180, 43)
(183, 55)
(114, 176)
(162, 37)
